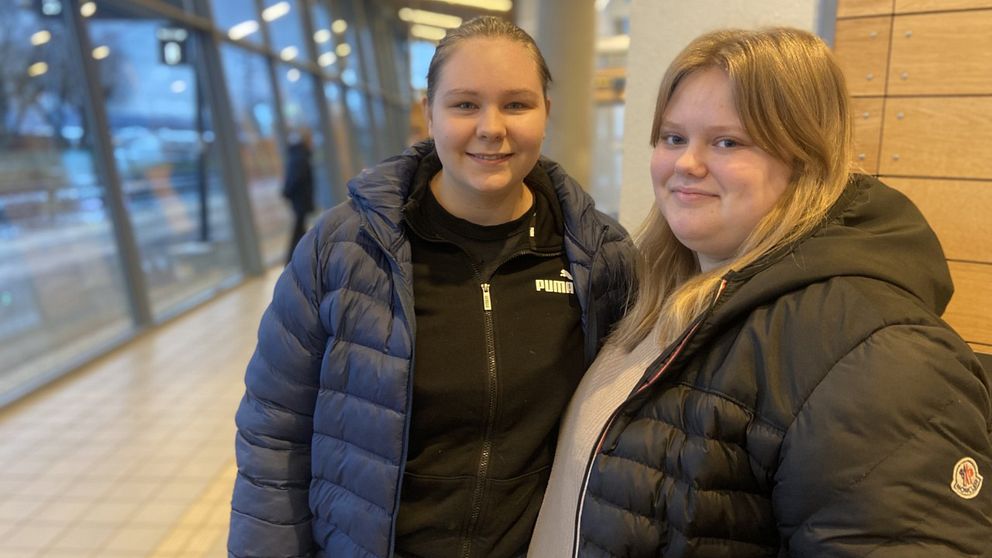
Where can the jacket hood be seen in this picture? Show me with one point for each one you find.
(381, 192)
(873, 231)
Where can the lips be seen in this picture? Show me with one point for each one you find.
(690, 194)
(490, 157)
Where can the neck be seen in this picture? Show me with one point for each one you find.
(483, 208)
(708, 264)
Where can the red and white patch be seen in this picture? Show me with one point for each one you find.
(966, 481)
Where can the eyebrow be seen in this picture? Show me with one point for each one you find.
(716, 130)
(508, 92)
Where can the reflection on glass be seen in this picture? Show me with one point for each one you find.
(164, 152)
(253, 106)
(612, 26)
(238, 18)
(299, 109)
(362, 127)
(285, 29)
(339, 128)
(323, 37)
(61, 286)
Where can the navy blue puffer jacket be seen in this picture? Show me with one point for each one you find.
(322, 428)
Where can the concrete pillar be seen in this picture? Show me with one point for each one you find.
(565, 31)
(659, 29)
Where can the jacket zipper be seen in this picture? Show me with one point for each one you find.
(407, 308)
(616, 412)
(487, 443)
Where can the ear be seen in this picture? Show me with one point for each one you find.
(547, 106)
(426, 108)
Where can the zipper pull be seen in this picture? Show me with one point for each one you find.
(487, 302)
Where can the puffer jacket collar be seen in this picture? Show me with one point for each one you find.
(381, 192)
(871, 231)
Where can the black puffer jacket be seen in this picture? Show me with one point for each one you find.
(820, 408)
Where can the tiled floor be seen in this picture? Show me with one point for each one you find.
(134, 455)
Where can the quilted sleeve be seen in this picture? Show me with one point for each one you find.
(270, 513)
(890, 455)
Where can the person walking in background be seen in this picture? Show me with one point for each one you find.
(783, 384)
(411, 371)
(298, 185)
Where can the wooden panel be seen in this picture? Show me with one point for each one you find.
(856, 8)
(959, 211)
(938, 136)
(939, 54)
(903, 6)
(862, 49)
(979, 348)
(970, 310)
(867, 113)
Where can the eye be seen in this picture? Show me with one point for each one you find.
(672, 139)
(516, 105)
(464, 105)
(728, 143)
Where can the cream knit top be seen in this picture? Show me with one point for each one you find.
(604, 387)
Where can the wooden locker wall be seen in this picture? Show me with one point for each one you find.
(920, 74)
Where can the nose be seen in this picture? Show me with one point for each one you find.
(690, 162)
(491, 126)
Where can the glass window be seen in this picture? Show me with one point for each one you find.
(62, 291)
(285, 29)
(363, 131)
(421, 53)
(612, 25)
(323, 37)
(164, 151)
(339, 129)
(238, 18)
(253, 105)
(364, 41)
(299, 110)
(380, 128)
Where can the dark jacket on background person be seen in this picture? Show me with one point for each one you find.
(323, 427)
(298, 184)
(819, 408)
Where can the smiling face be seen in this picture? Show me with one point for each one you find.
(711, 182)
(488, 118)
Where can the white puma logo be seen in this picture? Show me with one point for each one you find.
(555, 286)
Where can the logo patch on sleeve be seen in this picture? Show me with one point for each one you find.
(966, 481)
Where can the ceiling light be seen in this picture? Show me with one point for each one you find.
(327, 59)
(289, 53)
(293, 75)
(37, 69)
(342, 50)
(275, 11)
(87, 9)
(425, 17)
(101, 52)
(614, 44)
(339, 26)
(427, 32)
(322, 36)
(243, 29)
(41, 37)
(490, 5)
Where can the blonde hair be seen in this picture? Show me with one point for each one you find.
(792, 99)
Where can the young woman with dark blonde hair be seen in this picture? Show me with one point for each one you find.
(783, 384)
